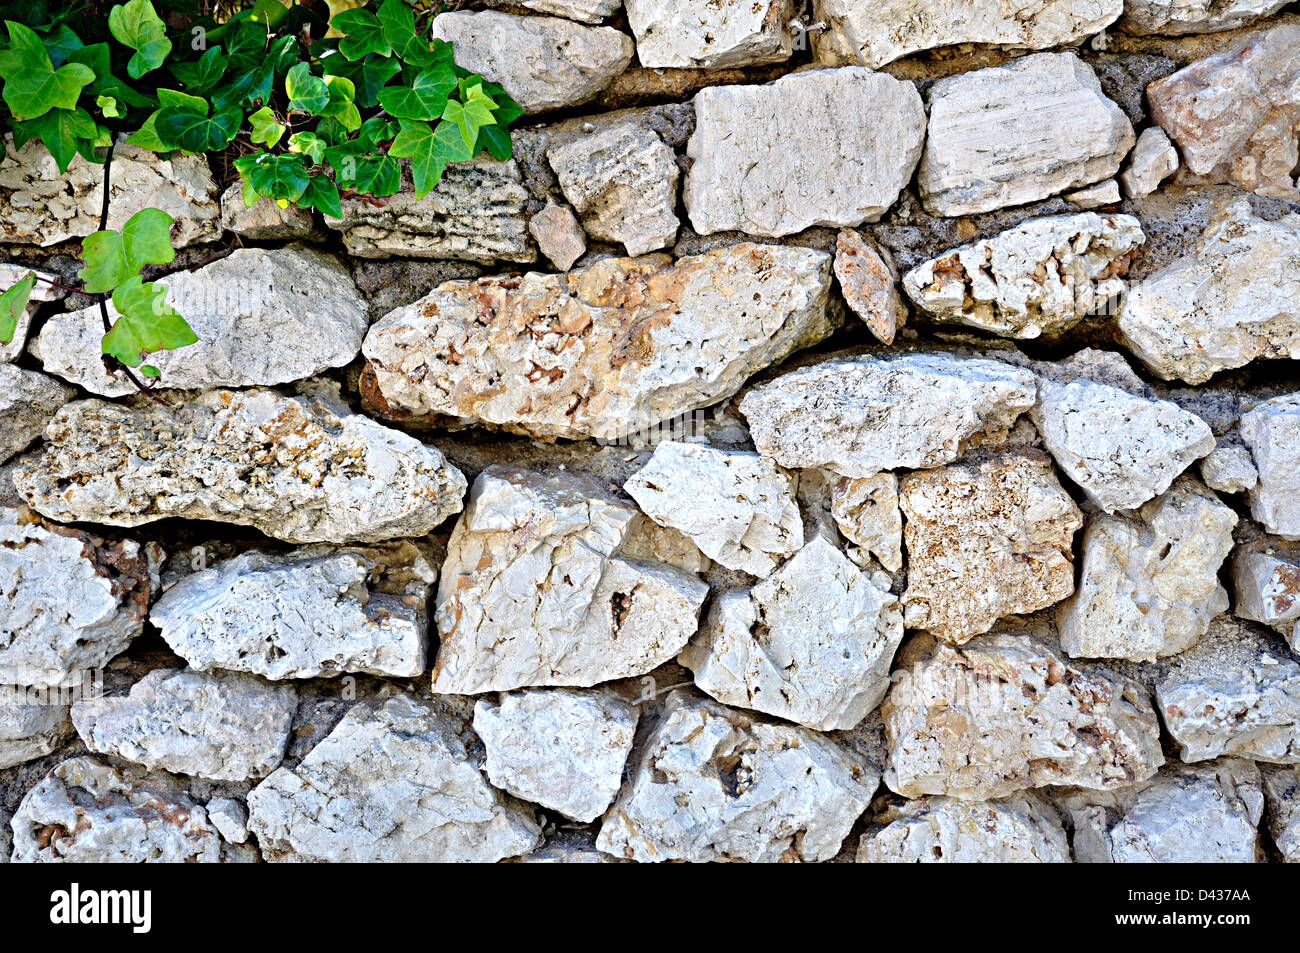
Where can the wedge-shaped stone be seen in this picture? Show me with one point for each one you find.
(866, 512)
(1021, 829)
(602, 351)
(535, 592)
(1272, 431)
(870, 285)
(710, 34)
(1266, 577)
(301, 469)
(1153, 160)
(715, 784)
(28, 399)
(31, 725)
(1229, 469)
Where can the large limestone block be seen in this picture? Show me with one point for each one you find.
(1272, 431)
(1266, 578)
(1181, 17)
(28, 399)
(1021, 829)
(710, 34)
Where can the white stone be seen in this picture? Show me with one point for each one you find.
(535, 592)
(1150, 584)
(1021, 829)
(224, 726)
(561, 748)
(866, 511)
(1121, 449)
(230, 818)
(812, 644)
(559, 236)
(710, 34)
(739, 508)
(1013, 134)
(300, 469)
(1180, 17)
(262, 317)
(870, 285)
(1153, 160)
(393, 784)
(585, 11)
(1094, 196)
(264, 220)
(1041, 277)
(715, 784)
(1272, 431)
(823, 147)
(31, 725)
(1266, 580)
(1282, 794)
(1229, 469)
(42, 293)
(862, 415)
(28, 399)
(543, 62)
(604, 351)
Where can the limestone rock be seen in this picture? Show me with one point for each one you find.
(561, 748)
(1040, 277)
(866, 511)
(70, 601)
(316, 612)
(1005, 713)
(869, 283)
(1014, 134)
(264, 220)
(1095, 196)
(88, 811)
(710, 34)
(30, 726)
(987, 537)
(1223, 305)
(1150, 584)
(1153, 160)
(622, 181)
(1282, 794)
(715, 784)
(844, 160)
(1021, 829)
(559, 236)
(393, 784)
(585, 11)
(1121, 449)
(230, 818)
(296, 468)
(39, 206)
(1272, 431)
(862, 415)
(603, 351)
(543, 62)
(1229, 469)
(1180, 17)
(535, 592)
(878, 33)
(1236, 115)
(262, 317)
(812, 644)
(738, 508)
(477, 212)
(42, 293)
(1266, 578)
(28, 399)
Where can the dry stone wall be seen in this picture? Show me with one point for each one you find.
(842, 432)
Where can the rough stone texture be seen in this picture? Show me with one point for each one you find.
(862, 415)
(1150, 584)
(42, 293)
(866, 511)
(1222, 305)
(477, 212)
(622, 181)
(1266, 583)
(704, 34)
(88, 811)
(738, 508)
(1179, 17)
(1272, 431)
(1040, 277)
(714, 784)
(6, 837)
(812, 644)
(38, 206)
(69, 602)
(262, 317)
(585, 11)
(1229, 469)
(1095, 196)
(559, 236)
(1236, 115)
(603, 351)
(1153, 160)
(843, 160)
(870, 285)
(535, 592)
(1282, 795)
(1022, 829)
(28, 399)
(873, 34)
(1236, 693)
(1121, 449)
(31, 726)
(1013, 134)
(316, 612)
(561, 748)
(264, 220)
(230, 818)
(300, 469)
(543, 62)
(1005, 713)
(393, 784)
(986, 538)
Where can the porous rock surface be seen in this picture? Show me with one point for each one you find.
(1021, 829)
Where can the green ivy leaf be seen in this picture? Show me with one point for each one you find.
(309, 144)
(507, 109)
(363, 34)
(137, 25)
(145, 323)
(425, 98)
(430, 150)
(281, 177)
(12, 305)
(113, 257)
(472, 115)
(109, 106)
(341, 105)
(148, 370)
(184, 127)
(496, 140)
(369, 75)
(201, 75)
(61, 43)
(307, 93)
(375, 175)
(98, 58)
(32, 85)
(267, 130)
(61, 130)
(322, 194)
